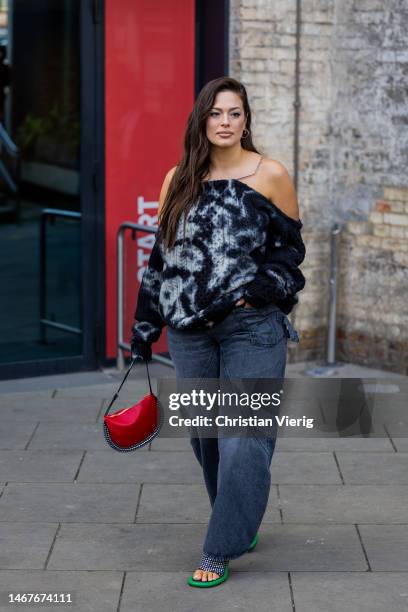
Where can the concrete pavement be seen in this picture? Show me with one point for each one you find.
(121, 532)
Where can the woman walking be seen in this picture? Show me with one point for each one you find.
(223, 274)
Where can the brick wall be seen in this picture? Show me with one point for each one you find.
(373, 288)
(353, 140)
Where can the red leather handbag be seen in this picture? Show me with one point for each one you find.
(135, 426)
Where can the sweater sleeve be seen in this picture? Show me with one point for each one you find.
(148, 320)
(278, 278)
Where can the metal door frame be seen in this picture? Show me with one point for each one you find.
(91, 17)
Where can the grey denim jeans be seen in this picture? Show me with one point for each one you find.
(248, 343)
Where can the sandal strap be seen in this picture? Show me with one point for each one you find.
(209, 564)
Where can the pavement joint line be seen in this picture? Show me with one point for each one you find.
(321, 412)
(178, 571)
(279, 502)
(122, 586)
(289, 484)
(80, 465)
(338, 467)
(106, 450)
(381, 451)
(337, 484)
(363, 547)
(275, 484)
(390, 438)
(100, 409)
(292, 595)
(52, 545)
(32, 435)
(138, 501)
(197, 482)
(271, 524)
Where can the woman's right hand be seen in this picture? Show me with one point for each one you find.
(142, 351)
(242, 301)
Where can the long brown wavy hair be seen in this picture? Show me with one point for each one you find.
(186, 183)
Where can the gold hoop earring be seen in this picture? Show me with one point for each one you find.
(245, 135)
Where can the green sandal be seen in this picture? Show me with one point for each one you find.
(223, 578)
(208, 583)
(253, 543)
(209, 564)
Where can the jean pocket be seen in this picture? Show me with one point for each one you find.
(266, 330)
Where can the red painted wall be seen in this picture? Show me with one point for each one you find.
(149, 93)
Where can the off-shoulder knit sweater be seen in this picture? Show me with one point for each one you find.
(237, 244)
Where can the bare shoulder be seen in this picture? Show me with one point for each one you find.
(170, 173)
(280, 187)
(273, 167)
(165, 186)
(169, 176)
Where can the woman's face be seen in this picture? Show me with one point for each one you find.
(227, 115)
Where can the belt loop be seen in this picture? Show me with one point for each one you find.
(291, 331)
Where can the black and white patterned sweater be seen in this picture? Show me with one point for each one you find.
(237, 244)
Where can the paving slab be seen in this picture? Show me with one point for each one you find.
(75, 502)
(390, 413)
(168, 503)
(50, 409)
(15, 434)
(39, 465)
(398, 430)
(347, 504)
(369, 423)
(142, 547)
(401, 444)
(350, 592)
(19, 398)
(23, 547)
(81, 436)
(91, 591)
(127, 547)
(373, 468)
(54, 381)
(304, 467)
(159, 443)
(360, 444)
(343, 370)
(98, 539)
(154, 467)
(399, 436)
(186, 503)
(308, 548)
(386, 547)
(102, 391)
(164, 591)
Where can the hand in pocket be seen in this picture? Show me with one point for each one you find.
(241, 302)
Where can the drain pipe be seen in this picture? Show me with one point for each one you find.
(296, 102)
(332, 327)
(296, 105)
(329, 366)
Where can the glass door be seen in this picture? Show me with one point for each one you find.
(47, 196)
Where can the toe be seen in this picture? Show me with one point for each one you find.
(198, 575)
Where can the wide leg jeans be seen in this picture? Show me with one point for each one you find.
(248, 343)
